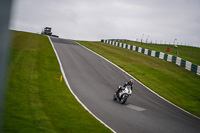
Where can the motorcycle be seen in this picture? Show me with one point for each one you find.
(123, 95)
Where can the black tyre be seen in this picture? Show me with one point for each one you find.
(124, 99)
(114, 97)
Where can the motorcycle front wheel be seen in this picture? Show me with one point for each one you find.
(124, 99)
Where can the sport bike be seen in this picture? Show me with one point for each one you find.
(123, 95)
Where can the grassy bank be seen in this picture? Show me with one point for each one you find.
(191, 54)
(36, 100)
(174, 83)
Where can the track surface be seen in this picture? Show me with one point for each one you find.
(94, 81)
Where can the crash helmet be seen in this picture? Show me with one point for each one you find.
(131, 81)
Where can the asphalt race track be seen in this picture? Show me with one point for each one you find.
(94, 81)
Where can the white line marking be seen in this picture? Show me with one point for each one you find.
(135, 107)
(66, 81)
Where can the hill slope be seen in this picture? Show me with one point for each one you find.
(36, 100)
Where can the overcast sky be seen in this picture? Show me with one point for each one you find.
(161, 20)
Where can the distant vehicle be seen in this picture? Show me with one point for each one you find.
(47, 31)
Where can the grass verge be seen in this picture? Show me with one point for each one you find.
(172, 82)
(191, 54)
(36, 101)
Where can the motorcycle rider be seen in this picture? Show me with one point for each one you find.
(129, 83)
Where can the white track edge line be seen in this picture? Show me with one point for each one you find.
(66, 81)
(140, 82)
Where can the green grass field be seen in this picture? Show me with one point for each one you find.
(172, 82)
(36, 101)
(191, 54)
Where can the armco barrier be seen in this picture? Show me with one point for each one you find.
(176, 60)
